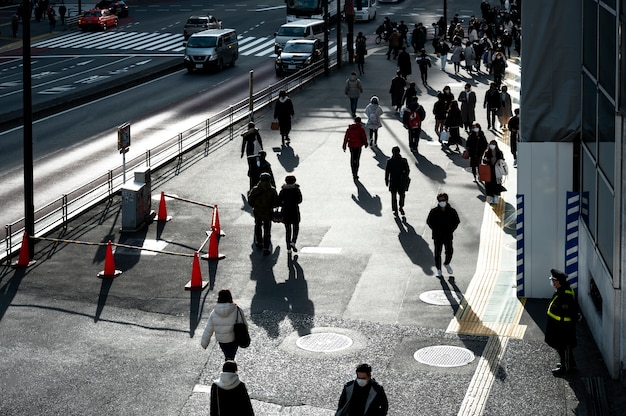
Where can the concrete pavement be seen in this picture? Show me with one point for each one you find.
(74, 344)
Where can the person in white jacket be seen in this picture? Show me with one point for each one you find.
(221, 322)
(373, 112)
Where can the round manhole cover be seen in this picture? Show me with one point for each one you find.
(441, 297)
(324, 342)
(444, 356)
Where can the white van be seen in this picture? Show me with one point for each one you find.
(299, 29)
(213, 48)
(367, 12)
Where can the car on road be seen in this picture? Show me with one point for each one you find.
(211, 49)
(97, 19)
(197, 24)
(298, 54)
(118, 7)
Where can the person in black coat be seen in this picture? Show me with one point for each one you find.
(229, 396)
(289, 200)
(476, 145)
(492, 156)
(492, 104)
(563, 313)
(396, 178)
(283, 112)
(404, 62)
(443, 220)
(363, 396)
(251, 145)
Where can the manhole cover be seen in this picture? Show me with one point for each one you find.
(441, 297)
(324, 342)
(444, 356)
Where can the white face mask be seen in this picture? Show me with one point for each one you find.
(475, 129)
(492, 146)
(258, 163)
(442, 204)
(361, 382)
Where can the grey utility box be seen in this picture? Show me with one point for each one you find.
(133, 206)
(143, 175)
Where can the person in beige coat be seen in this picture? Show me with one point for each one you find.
(221, 323)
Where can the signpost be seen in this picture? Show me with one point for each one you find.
(123, 143)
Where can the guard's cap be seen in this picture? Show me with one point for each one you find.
(558, 275)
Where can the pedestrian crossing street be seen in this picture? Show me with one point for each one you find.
(152, 42)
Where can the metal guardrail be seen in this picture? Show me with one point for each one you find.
(59, 212)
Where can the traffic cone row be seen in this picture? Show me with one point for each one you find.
(196, 282)
(162, 215)
(215, 221)
(24, 260)
(213, 252)
(109, 272)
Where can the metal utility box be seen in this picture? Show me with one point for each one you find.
(133, 206)
(143, 175)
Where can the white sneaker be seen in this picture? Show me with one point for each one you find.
(448, 268)
(439, 274)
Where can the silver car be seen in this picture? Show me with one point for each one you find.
(197, 24)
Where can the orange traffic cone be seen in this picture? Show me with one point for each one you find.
(24, 258)
(215, 221)
(196, 282)
(162, 216)
(214, 251)
(109, 271)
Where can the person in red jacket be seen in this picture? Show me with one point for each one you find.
(355, 138)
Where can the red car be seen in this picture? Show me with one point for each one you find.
(97, 19)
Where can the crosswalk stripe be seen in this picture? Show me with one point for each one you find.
(131, 40)
(249, 43)
(269, 43)
(157, 40)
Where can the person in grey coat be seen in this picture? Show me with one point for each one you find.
(353, 90)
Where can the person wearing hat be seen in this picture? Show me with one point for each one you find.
(363, 396)
(283, 112)
(229, 396)
(373, 111)
(263, 198)
(563, 313)
(396, 178)
(251, 145)
(355, 138)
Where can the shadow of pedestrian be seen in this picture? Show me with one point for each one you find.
(415, 247)
(10, 287)
(287, 157)
(434, 172)
(296, 293)
(268, 295)
(370, 204)
(380, 157)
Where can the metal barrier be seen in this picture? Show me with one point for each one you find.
(70, 205)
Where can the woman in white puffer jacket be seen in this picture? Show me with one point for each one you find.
(221, 322)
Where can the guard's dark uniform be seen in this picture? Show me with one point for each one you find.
(562, 313)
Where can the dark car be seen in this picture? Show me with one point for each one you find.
(117, 7)
(298, 54)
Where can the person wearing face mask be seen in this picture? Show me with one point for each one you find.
(499, 67)
(467, 98)
(363, 396)
(492, 156)
(443, 220)
(563, 313)
(476, 145)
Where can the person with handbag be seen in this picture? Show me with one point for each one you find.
(229, 396)
(476, 145)
(397, 179)
(289, 200)
(453, 123)
(283, 112)
(493, 156)
(443, 220)
(221, 322)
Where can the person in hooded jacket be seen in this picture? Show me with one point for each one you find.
(373, 111)
(221, 322)
(283, 112)
(353, 90)
(289, 199)
(229, 396)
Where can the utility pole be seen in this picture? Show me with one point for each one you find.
(27, 104)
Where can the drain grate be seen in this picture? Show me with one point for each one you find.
(444, 356)
(324, 342)
(441, 297)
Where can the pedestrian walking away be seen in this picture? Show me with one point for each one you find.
(440, 111)
(514, 130)
(409, 93)
(363, 396)
(493, 157)
(492, 103)
(355, 138)
(289, 199)
(469, 55)
(467, 98)
(394, 44)
(283, 112)
(15, 24)
(563, 313)
(457, 56)
(62, 12)
(412, 118)
(263, 198)
(398, 85)
(353, 90)
(360, 51)
(229, 396)
(251, 145)
(404, 62)
(423, 62)
(476, 145)
(397, 179)
(262, 166)
(221, 322)
(443, 220)
(373, 111)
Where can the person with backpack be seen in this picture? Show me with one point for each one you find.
(373, 111)
(412, 118)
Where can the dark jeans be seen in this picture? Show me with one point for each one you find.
(414, 138)
(229, 349)
(439, 245)
(355, 156)
(291, 232)
(263, 232)
(353, 105)
(513, 142)
(394, 200)
(491, 117)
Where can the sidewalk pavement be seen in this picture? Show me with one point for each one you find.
(131, 345)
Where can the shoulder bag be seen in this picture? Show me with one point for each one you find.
(242, 337)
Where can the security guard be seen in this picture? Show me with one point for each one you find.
(563, 313)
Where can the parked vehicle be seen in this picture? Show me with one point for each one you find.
(299, 29)
(367, 12)
(118, 7)
(97, 19)
(197, 24)
(211, 49)
(298, 54)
